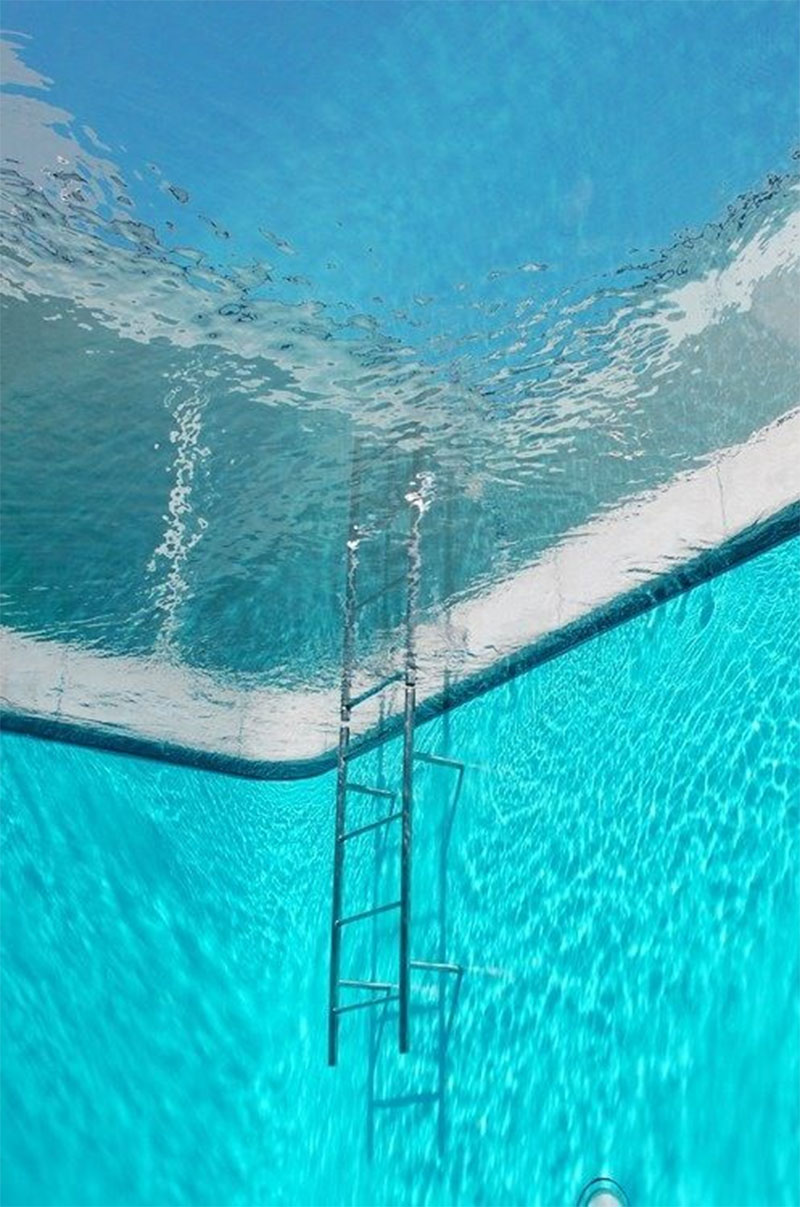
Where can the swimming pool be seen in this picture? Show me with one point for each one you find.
(622, 880)
(282, 284)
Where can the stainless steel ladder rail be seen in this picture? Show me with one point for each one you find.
(446, 1003)
(345, 707)
(409, 705)
(383, 992)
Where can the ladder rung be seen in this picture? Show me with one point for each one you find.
(384, 590)
(368, 913)
(427, 966)
(376, 689)
(408, 1099)
(372, 1001)
(373, 825)
(364, 790)
(438, 760)
(377, 986)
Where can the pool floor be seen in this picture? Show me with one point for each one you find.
(622, 888)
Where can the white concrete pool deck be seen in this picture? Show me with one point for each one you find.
(646, 538)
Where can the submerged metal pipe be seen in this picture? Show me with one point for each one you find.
(408, 771)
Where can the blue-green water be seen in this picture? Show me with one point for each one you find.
(622, 887)
(544, 252)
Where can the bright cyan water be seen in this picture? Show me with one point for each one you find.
(622, 887)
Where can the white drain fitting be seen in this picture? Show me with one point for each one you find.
(602, 1192)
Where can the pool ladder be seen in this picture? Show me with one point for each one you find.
(376, 994)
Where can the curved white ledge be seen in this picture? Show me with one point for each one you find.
(651, 536)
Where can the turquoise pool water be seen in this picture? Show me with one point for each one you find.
(622, 888)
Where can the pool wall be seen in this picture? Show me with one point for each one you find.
(622, 889)
(653, 548)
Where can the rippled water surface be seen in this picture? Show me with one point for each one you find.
(622, 887)
(547, 254)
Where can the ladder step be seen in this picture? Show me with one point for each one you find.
(368, 913)
(427, 966)
(376, 689)
(372, 1001)
(377, 986)
(438, 760)
(364, 790)
(373, 825)
(408, 1099)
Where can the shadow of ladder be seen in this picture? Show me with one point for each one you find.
(448, 980)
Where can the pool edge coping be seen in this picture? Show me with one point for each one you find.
(756, 539)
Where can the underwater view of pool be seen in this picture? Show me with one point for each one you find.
(622, 880)
(400, 412)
